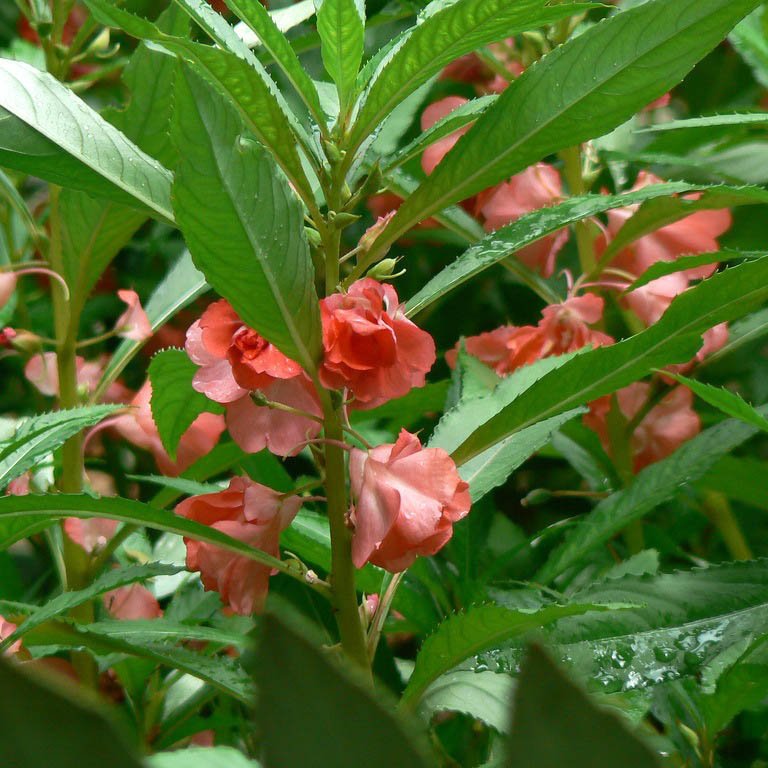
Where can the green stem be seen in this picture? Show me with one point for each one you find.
(717, 508)
(572, 170)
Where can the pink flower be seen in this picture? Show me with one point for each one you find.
(132, 602)
(133, 323)
(371, 347)
(537, 187)
(6, 630)
(252, 513)
(234, 360)
(471, 69)
(19, 486)
(407, 500)
(41, 370)
(138, 427)
(434, 153)
(91, 534)
(650, 301)
(372, 233)
(563, 328)
(666, 427)
(7, 287)
(696, 233)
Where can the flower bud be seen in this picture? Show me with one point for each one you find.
(313, 236)
(23, 341)
(536, 497)
(384, 270)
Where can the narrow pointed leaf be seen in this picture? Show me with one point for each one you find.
(341, 25)
(57, 116)
(243, 224)
(654, 485)
(579, 91)
(749, 39)
(747, 118)
(674, 339)
(441, 35)
(256, 17)
(724, 400)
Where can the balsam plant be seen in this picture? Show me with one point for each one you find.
(431, 463)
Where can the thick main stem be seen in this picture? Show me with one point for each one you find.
(572, 170)
(66, 323)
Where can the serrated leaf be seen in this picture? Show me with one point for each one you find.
(148, 631)
(528, 229)
(40, 435)
(477, 629)
(675, 338)
(57, 115)
(466, 114)
(483, 695)
(635, 57)
(442, 34)
(743, 118)
(175, 404)
(241, 79)
(289, 672)
(652, 486)
(66, 600)
(73, 727)
(16, 512)
(554, 724)
(181, 286)
(341, 26)
(724, 400)
(243, 224)
(749, 39)
(662, 268)
(655, 214)
(256, 18)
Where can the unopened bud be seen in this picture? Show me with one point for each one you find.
(385, 270)
(536, 497)
(313, 236)
(100, 44)
(372, 233)
(23, 341)
(332, 152)
(342, 220)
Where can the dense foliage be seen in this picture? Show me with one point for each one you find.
(382, 383)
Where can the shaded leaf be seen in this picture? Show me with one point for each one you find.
(341, 26)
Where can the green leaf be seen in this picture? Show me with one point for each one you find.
(555, 724)
(654, 485)
(38, 509)
(256, 17)
(201, 757)
(175, 404)
(66, 600)
(180, 287)
(75, 731)
(724, 400)
(466, 114)
(147, 631)
(742, 118)
(95, 230)
(483, 695)
(243, 224)
(443, 33)
(56, 115)
(749, 39)
(289, 673)
(741, 333)
(674, 339)
(40, 435)
(662, 268)
(466, 634)
(741, 479)
(341, 26)
(241, 79)
(496, 247)
(655, 214)
(634, 57)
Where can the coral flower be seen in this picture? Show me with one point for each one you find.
(537, 187)
(666, 427)
(41, 370)
(434, 153)
(234, 360)
(371, 347)
(7, 287)
(252, 513)
(6, 630)
(133, 323)
(563, 328)
(132, 602)
(407, 500)
(138, 427)
(91, 534)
